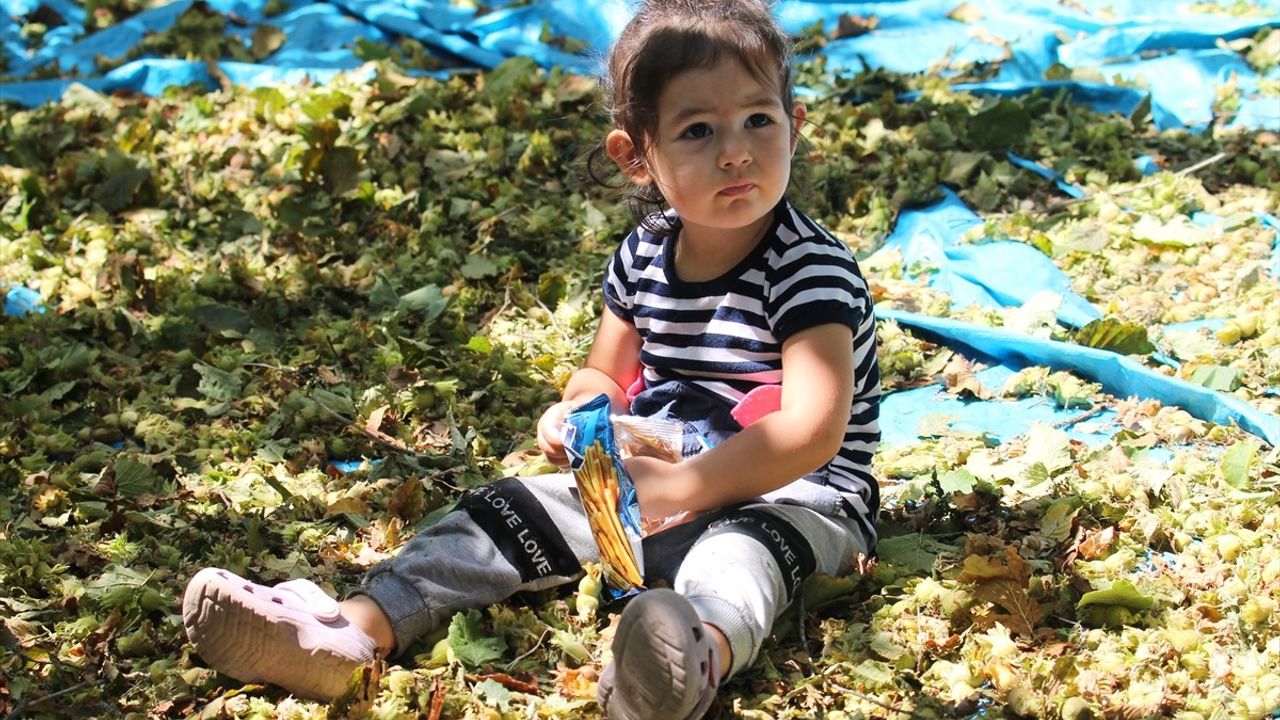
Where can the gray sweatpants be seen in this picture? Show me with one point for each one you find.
(740, 567)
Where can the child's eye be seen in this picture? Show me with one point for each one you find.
(759, 120)
(696, 131)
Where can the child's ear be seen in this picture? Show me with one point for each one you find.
(798, 115)
(623, 151)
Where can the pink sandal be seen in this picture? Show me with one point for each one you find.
(291, 635)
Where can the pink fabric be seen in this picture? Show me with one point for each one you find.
(635, 388)
(757, 403)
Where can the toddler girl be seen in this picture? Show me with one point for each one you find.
(725, 291)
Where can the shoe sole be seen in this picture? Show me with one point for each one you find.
(660, 647)
(254, 639)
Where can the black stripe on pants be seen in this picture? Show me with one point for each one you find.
(521, 529)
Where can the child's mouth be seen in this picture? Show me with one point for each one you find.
(735, 190)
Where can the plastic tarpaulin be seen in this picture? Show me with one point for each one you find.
(1006, 274)
(992, 275)
(1173, 51)
(906, 415)
(1118, 374)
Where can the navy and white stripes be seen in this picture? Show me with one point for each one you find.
(725, 335)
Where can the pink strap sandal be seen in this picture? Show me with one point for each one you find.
(291, 635)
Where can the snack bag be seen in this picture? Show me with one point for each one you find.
(657, 438)
(638, 436)
(607, 493)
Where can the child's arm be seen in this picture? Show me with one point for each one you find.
(611, 365)
(817, 392)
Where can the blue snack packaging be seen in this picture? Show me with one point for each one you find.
(608, 495)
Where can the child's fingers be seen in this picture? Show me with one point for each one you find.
(550, 440)
(553, 450)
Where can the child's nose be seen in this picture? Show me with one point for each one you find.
(734, 152)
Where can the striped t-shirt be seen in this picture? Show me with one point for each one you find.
(706, 344)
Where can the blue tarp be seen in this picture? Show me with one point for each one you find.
(1121, 53)
(20, 300)
(1119, 374)
(1005, 274)
(906, 414)
(992, 275)
(1170, 51)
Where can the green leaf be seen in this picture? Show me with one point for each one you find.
(469, 642)
(223, 319)
(1058, 520)
(936, 424)
(216, 384)
(83, 96)
(493, 693)
(821, 590)
(325, 106)
(117, 192)
(1035, 474)
(1178, 232)
(1216, 377)
(918, 551)
(508, 78)
(1048, 446)
(340, 168)
(117, 586)
(1188, 345)
(17, 211)
(1069, 391)
(294, 213)
(58, 391)
(874, 673)
(270, 101)
(883, 645)
(1140, 116)
(1002, 126)
(334, 402)
(479, 344)
(958, 480)
(383, 296)
(367, 50)
(552, 288)
(1115, 335)
(479, 266)
(1237, 461)
(427, 299)
(958, 167)
(1121, 593)
(134, 478)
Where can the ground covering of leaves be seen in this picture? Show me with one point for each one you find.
(243, 287)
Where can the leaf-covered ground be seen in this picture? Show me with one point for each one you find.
(244, 288)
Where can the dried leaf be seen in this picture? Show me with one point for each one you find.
(1003, 583)
(960, 380)
(1097, 543)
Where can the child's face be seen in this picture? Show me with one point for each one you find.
(722, 155)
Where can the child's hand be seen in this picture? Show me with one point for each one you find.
(661, 489)
(550, 439)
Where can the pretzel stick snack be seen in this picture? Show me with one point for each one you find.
(607, 495)
(599, 489)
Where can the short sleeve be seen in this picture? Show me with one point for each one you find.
(816, 282)
(619, 279)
